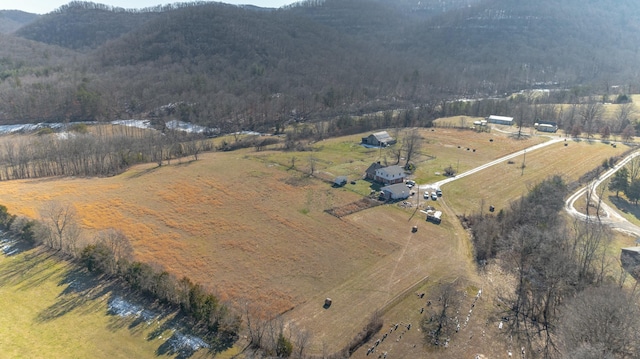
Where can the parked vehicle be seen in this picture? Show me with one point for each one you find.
(434, 196)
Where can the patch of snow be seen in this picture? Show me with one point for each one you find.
(186, 127)
(185, 344)
(122, 308)
(31, 127)
(65, 135)
(8, 245)
(146, 124)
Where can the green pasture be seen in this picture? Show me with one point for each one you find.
(51, 310)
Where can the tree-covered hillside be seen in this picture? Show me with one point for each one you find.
(12, 20)
(85, 25)
(249, 68)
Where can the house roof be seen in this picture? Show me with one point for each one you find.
(382, 136)
(392, 171)
(372, 169)
(397, 189)
(500, 118)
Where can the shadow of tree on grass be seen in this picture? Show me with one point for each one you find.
(30, 270)
(625, 206)
(81, 293)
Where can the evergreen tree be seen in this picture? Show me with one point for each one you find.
(620, 181)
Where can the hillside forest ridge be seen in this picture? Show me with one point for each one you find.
(184, 159)
(247, 68)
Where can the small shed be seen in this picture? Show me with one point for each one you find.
(434, 216)
(340, 181)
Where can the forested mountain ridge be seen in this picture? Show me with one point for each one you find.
(85, 25)
(524, 43)
(12, 20)
(250, 68)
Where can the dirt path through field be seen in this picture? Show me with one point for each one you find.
(433, 251)
(398, 261)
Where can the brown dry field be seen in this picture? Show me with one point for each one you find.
(245, 225)
(226, 221)
(500, 184)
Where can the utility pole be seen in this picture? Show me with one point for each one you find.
(524, 159)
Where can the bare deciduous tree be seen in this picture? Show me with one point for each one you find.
(119, 245)
(591, 112)
(61, 219)
(440, 324)
(603, 320)
(411, 145)
(623, 115)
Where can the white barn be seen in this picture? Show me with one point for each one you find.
(500, 120)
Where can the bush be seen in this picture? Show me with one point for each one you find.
(29, 231)
(284, 348)
(5, 218)
(374, 326)
(98, 258)
(79, 128)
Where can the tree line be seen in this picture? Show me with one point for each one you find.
(110, 254)
(79, 152)
(561, 270)
(584, 115)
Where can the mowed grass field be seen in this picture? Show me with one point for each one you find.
(440, 148)
(251, 225)
(50, 311)
(500, 184)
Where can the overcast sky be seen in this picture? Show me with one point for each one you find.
(45, 6)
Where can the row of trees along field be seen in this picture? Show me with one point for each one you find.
(102, 150)
(79, 152)
(110, 254)
(573, 111)
(563, 276)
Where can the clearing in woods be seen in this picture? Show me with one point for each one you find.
(253, 226)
